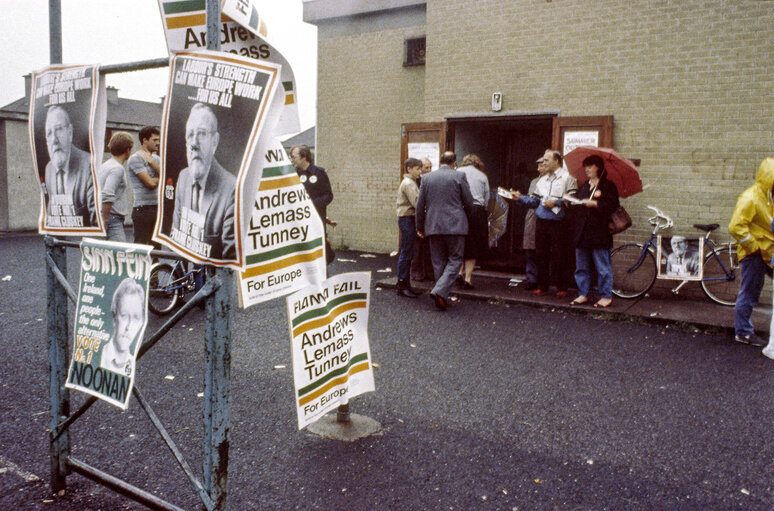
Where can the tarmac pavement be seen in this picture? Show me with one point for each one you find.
(501, 402)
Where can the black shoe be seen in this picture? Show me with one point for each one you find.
(460, 281)
(413, 291)
(405, 292)
(530, 286)
(751, 339)
(439, 301)
(467, 285)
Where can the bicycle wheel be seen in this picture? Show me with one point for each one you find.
(721, 276)
(633, 272)
(161, 296)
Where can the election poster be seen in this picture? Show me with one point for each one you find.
(285, 239)
(329, 343)
(67, 132)
(110, 319)
(215, 109)
(185, 27)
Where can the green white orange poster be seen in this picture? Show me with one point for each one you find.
(329, 342)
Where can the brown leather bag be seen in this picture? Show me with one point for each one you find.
(619, 221)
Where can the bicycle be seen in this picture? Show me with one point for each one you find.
(169, 283)
(635, 268)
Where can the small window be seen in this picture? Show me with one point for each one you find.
(414, 52)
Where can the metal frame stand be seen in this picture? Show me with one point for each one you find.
(213, 488)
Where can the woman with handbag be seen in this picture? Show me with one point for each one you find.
(596, 201)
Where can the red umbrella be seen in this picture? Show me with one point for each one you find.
(620, 171)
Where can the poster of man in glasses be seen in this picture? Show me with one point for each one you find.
(209, 130)
(680, 258)
(67, 116)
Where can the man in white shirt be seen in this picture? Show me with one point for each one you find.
(114, 187)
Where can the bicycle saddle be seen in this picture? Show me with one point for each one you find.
(707, 227)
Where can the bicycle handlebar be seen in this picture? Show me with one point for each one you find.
(660, 220)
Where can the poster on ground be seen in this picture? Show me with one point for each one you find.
(213, 116)
(329, 343)
(110, 319)
(285, 239)
(67, 132)
(185, 27)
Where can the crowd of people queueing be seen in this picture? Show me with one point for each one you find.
(447, 209)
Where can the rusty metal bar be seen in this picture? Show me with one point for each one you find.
(138, 65)
(61, 279)
(217, 390)
(55, 31)
(59, 396)
(120, 486)
(206, 500)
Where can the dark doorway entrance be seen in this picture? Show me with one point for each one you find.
(509, 147)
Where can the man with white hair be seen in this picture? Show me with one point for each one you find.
(69, 185)
(681, 262)
(203, 220)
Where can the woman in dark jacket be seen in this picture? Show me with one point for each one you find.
(598, 199)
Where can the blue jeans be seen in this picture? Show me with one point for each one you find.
(530, 266)
(408, 233)
(600, 257)
(115, 228)
(753, 276)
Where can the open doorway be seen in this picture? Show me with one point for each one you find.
(508, 147)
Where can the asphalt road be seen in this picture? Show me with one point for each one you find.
(484, 406)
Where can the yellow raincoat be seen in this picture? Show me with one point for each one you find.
(751, 222)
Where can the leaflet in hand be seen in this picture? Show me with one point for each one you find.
(572, 199)
(502, 192)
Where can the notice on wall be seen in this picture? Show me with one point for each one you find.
(110, 319)
(429, 150)
(215, 110)
(285, 239)
(329, 344)
(67, 132)
(185, 26)
(573, 139)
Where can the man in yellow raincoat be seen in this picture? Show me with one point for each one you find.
(751, 227)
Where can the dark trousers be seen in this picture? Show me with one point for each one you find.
(550, 247)
(421, 264)
(408, 234)
(144, 220)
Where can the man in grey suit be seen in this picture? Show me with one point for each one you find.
(69, 186)
(443, 206)
(203, 221)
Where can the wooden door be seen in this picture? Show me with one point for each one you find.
(422, 139)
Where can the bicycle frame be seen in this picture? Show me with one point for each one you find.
(181, 284)
(660, 221)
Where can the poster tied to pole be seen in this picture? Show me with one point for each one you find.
(329, 343)
(185, 27)
(67, 131)
(215, 110)
(110, 319)
(285, 239)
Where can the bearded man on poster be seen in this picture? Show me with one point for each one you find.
(204, 197)
(69, 182)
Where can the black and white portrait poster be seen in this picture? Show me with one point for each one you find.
(67, 130)
(213, 115)
(680, 258)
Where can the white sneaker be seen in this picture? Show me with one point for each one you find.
(769, 351)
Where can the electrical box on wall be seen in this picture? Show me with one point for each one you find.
(497, 101)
